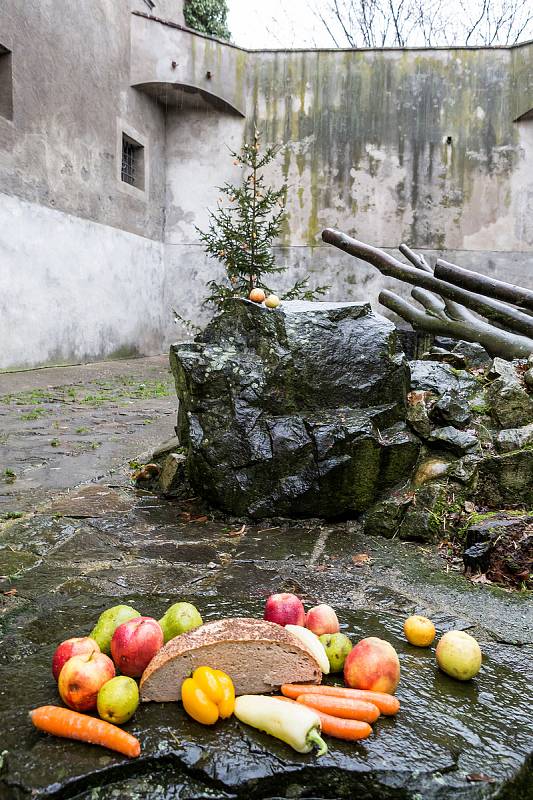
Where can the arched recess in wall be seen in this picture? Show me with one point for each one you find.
(182, 95)
(526, 115)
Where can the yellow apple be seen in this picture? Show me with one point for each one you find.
(459, 655)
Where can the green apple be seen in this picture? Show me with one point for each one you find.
(459, 655)
(337, 647)
(179, 618)
(108, 622)
(118, 700)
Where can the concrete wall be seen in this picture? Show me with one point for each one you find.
(70, 289)
(365, 137)
(366, 150)
(74, 284)
(71, 89)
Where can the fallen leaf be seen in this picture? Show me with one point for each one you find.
(479, 777)
(199, 518)
(10, 592)
(469, 507)
(238, 532)
(360, 559)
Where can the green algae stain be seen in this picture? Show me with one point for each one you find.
(347, 105)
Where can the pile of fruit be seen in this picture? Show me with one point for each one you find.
(85, 670)
(258, 296)
(124, 641)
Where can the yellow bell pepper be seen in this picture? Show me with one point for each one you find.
(208, 695)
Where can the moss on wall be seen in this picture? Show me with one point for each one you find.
(367, 133)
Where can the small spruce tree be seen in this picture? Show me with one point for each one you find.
(207, 16)
(241, 233)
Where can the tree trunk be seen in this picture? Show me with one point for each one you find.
(508, 292)
(495, 341)
(494, 310)
(445, 313)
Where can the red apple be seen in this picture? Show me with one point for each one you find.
(372, 664)
(78, 646)
(81, 679)
(322, 619)
(285, 609)
(135, 643)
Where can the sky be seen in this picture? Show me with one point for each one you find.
(275, 23)
(293, 23)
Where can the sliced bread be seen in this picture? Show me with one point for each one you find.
(259, 657)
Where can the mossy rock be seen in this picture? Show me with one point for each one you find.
(298, 411)
(506, 478)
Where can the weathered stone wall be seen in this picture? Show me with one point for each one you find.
(71, 92)
(70, 288)
(73, 280)
(367, 151)
(366, 135)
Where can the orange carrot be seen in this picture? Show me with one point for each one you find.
(344, 707)
(349, 729)
(387, 703)
(72, 725)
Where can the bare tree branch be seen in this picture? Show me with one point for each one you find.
(401, 23)
(482, 284)
(497, 342)
(454, 310)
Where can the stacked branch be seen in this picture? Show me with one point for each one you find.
(506, 326)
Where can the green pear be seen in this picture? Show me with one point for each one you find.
(337, 647)
(108, 622)
(179, 618)
(118, 700)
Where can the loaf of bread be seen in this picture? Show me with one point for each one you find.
(259, 657)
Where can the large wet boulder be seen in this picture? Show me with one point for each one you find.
(298, 411)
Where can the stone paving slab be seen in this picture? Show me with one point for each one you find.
(63, 426)
(445, 732)
(58, 572)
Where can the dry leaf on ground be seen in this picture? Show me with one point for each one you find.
(238, 532)
(479, 777)
(360, 559)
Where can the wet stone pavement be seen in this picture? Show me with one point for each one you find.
(63, 426)
(73, 554)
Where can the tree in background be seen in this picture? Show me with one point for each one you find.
(207, 16)
(403, 23)
(241, 232)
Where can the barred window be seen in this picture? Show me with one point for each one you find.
(6, 84)
(132, 162)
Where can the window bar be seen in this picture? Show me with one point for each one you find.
(128, 162)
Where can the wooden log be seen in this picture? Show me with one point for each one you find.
(455, 311)
(495, 341)
(493, 310)
(482, 284)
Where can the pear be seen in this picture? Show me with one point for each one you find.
(179, 618)
(337, 647)
(108, 622)
(118, 700)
